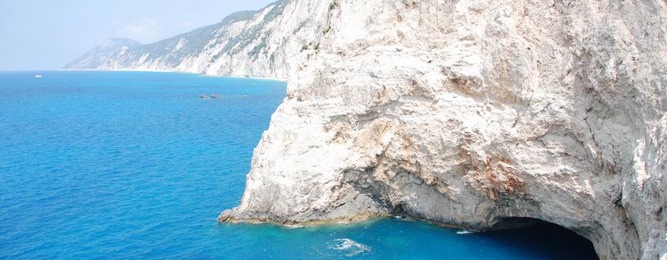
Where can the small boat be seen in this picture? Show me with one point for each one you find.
(38, 76)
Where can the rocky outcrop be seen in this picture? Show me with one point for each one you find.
(470, 112)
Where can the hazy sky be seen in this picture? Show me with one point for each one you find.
(44, 34)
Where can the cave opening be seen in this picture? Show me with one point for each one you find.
(542, 236)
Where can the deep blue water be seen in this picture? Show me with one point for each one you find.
(137, 165)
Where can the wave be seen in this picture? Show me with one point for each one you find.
(349, 246)
(464, 232)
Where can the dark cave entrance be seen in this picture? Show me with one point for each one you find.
(542, 236)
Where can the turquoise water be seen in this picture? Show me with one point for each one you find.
(137, 165)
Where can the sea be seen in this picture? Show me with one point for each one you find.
(135, 165)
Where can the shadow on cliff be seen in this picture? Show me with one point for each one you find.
(542, 237)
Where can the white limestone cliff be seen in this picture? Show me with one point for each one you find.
(470, 112)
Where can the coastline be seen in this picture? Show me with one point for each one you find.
(174, 71)
(349, 220)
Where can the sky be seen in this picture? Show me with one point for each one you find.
(44, 34)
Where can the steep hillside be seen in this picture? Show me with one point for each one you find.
(243, 44)
(104, 53)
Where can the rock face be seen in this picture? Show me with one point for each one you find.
(471, 112)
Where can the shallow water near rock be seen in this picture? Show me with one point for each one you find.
(139, 165)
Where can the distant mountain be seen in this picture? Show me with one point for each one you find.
(103, 53)
(242, 44)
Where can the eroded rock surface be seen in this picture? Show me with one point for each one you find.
(468, 112)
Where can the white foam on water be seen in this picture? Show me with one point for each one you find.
(351, 247)
(464, 232)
